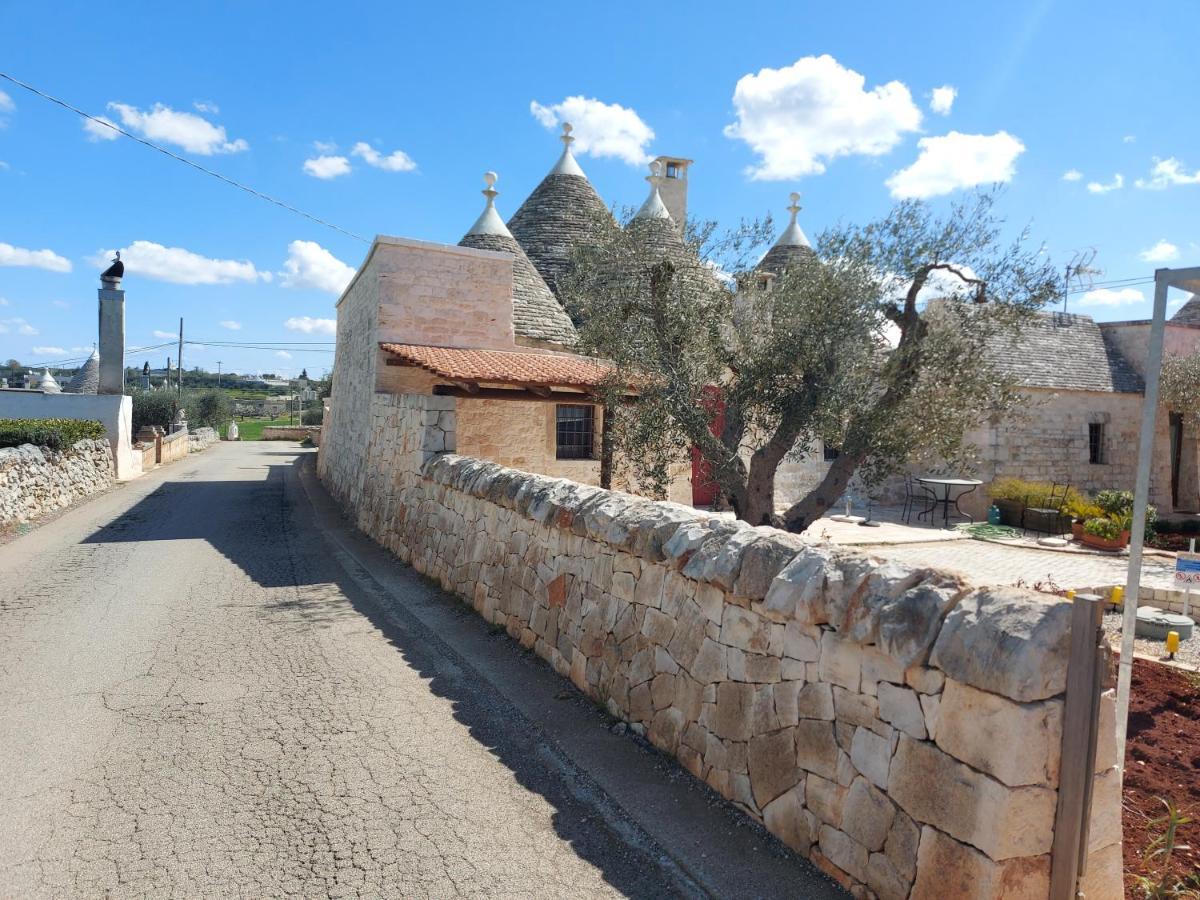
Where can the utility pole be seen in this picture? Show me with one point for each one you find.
(218, 374)
(179, 359)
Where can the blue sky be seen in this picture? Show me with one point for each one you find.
(401, 107)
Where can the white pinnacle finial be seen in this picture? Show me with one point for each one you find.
(654, 208)
(566, 135)
(489, 221)
(795, 207)
(656, 170)
(490, 179)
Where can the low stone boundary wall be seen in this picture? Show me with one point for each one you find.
(37, 480)
(897, 726)
(174, 447)
(292, 433)
(202, 438)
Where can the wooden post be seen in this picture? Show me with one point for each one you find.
(606, 447)
(1076, 771)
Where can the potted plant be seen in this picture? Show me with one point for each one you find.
(1008, 495)
(1079, 508)
(1105, 533)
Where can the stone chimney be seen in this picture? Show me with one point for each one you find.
(673, 187)
(112, 335)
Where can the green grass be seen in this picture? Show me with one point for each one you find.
(252, 429)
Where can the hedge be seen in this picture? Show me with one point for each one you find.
(56, 434)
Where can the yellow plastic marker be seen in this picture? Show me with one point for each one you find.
(1117, 596)
(1172, 644)
(1071, 594)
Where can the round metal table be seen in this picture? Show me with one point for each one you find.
(967, 484)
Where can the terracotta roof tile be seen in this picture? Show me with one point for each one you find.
(503, 366)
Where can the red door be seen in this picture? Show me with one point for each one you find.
(704, 488)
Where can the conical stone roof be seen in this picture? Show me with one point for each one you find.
(1189, 313)
(792, 245)
(537, 314)
(47, 384)
(562, 213)
(87, 379)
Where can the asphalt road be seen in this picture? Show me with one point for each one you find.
(211, 686)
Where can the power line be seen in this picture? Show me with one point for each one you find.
(288, 347)
(79, 359)
(187, 162)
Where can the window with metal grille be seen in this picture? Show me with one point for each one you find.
(575, 432)
(831, 453)
(1096, 443)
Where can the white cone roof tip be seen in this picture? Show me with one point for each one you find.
(489, 221)
(48, 384)
(654, 208)
(566, 164)
(793, 235)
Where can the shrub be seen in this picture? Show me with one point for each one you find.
(1103, 527)
(1030, 493)
(153, 408)
(1081, 509)
(57, 434)
(312, 416)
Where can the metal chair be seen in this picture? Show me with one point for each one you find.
(1047, 512)
(914, 491)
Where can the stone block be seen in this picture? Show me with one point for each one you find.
(1007, 641)
(657, 627)
(787, 819)
(711, 600)
(901, 707)
(733, 711)
(825, 798)
(840, 663)
(904, 837)
(710, 664)
(1104, 827)
(772, 761)
(924, 680)
(1106, 728)
(871, 755)
(816, 748)
(867, 814)
(762, 560)
(752, 667)
(798, 591)
(858, 709)
(878, 666)
(947, 868)
(744, 629)
(936, 789)
(885, 880)
(623, 586)
(786, 695)
(908, 624)
(1105, 878)
(844, 852)
(719, 559)
(931, 705)
(801, 642)
(815, 701)
(649, 588)
(1018, 743)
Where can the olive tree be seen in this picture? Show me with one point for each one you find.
(874, 343)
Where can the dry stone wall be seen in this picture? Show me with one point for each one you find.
(893, 724)
(37, 480)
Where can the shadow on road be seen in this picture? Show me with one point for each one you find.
(266, 527)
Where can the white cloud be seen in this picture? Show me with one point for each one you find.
(942, 99)
(1167, 173)
(17, 326)
(231, 325)
(324, 146)
(1162, 252)
(396, 161)
(61, 304)
(283, 354)
(193, 133)
(800, 117)
(3, 301)
(327, 167)
(164, 335)
(4, 167)
(206, 106)
(310, 325)
(1110, 297)
(600, 129)
(82, 349)
(97, 132)
(1129, 139)
(1072, 175)
(179, 266)
(38, 259)
(1118, 182)
(309, 265)
(6, 103)
(955, 161)
(49, 351)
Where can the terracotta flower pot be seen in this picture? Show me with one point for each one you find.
(1077, 530)
(1099, 543)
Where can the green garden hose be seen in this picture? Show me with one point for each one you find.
(985, 532)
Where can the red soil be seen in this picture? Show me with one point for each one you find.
(1163, 747)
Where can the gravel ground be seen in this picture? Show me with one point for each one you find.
(1189, 651)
